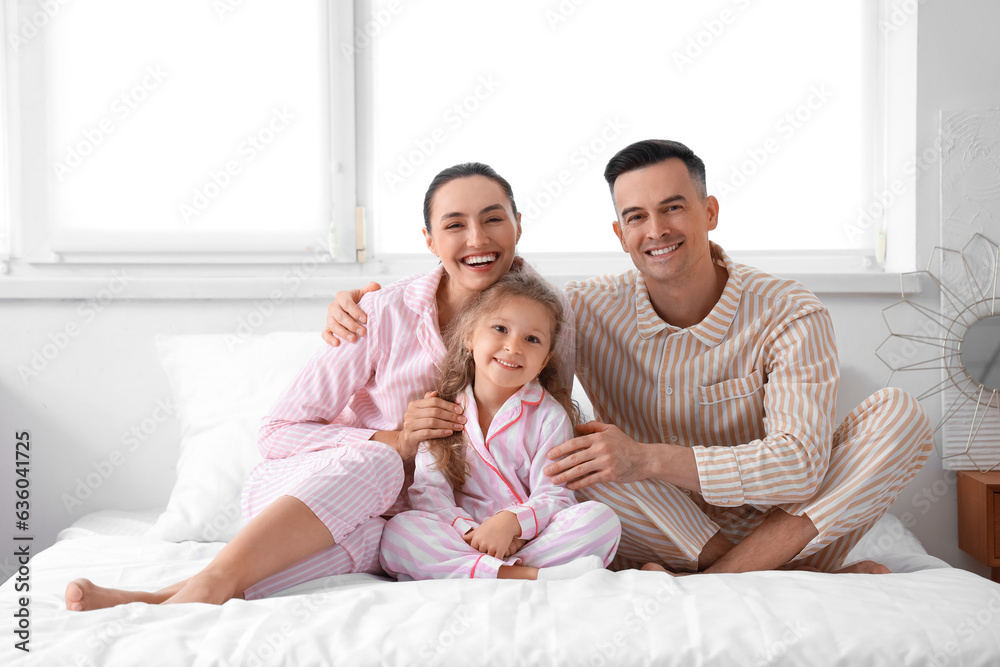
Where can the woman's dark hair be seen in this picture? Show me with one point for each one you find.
(463, 171)
(653, 151)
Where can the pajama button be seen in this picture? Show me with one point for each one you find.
(673, 438)
(670, 390)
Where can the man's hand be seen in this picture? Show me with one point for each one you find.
(427, 418)
(600, 453)
(495, 536)
(344, 319)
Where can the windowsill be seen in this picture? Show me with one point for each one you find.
(320, 280)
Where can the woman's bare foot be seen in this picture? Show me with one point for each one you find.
(84, 595)
(864, 567)
(206, 587)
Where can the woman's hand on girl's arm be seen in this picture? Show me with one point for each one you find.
(344, 319)
(431, 417)
(427, 418)
(495, 536)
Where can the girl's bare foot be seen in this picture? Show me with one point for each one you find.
(571, 570)
(84, 595)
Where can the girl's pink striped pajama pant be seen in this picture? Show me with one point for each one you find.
(422, 546)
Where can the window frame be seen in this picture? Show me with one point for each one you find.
(176, 274)
(43, 245)
(895, 98)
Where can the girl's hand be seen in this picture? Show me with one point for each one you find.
(515, 545)
(344, 319)
(495, 536)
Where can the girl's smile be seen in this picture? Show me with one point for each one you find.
(511, 347)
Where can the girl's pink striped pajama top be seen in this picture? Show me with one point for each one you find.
(505, 474)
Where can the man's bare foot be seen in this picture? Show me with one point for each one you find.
(84, 595)
(656, 567)
(864, 567)
(205, 587)
(861, 567)
(798, 567)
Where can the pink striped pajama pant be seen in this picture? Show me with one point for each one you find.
(347, 488)
(419, 544)
(877, 450)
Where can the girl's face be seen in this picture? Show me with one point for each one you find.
(473, 232)
(511, 345)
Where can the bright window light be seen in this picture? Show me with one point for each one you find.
(777, 97)
(186, 117)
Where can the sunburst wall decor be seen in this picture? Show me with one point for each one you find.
(954, 351)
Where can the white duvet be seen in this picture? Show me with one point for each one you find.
(927, 613)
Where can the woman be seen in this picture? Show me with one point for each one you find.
(334, 450)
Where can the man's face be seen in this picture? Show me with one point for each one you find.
(662, 221)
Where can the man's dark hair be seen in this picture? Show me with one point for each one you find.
(653, 151)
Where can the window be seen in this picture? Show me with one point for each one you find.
(184, 126)
(232, 131)
(784, 100)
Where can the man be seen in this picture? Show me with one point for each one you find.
(714, 387)
(721, 383)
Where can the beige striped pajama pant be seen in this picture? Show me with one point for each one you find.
(876, 451)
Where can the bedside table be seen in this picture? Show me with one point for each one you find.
(979, 517)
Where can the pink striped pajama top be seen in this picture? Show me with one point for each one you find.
(505, 466)
(505, 473)
(346, 393)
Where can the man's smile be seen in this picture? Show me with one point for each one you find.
(657, 252)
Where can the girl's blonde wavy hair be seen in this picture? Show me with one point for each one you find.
(458, 367)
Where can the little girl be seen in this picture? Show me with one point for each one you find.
(482, 507)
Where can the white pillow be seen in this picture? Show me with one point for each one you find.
(890, 543)
(222, 386)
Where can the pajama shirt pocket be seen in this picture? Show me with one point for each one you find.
(732, 411)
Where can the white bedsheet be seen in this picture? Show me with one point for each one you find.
(927, 614)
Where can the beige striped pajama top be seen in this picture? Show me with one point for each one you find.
(751, 389)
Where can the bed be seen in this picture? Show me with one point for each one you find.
(925, 613)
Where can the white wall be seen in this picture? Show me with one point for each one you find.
(107, 379)
(104, 383)
(958, 69)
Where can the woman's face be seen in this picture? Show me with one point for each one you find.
(473, 232)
